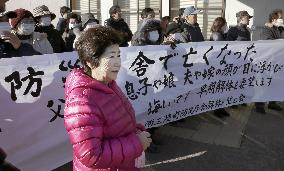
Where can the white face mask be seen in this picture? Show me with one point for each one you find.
(154, 36)
(26, 29)
(4, 27)
(91, 25)
(279, 22)
(71, 26)
(45, 21)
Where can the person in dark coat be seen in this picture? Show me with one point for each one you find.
(190, 27)
(63, 22)
(271, 31)
(174, 34)
(240, 32)
(218, 29)
(74, 29)
(150, 33)
(43, 18)
(146, 13)
(179, 19)
(10, 44)
(116, 22)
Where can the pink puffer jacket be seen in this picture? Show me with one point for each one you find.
(101, 125)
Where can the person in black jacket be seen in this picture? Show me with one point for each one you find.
(43, 18)
(150, 33)
(274, 28)
(116, 22)
(271, 31)
(63, 22)
(10, 44)
(72, 31)
(218, 29)
(190, 27)
(240, 32)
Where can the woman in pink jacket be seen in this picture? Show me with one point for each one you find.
(98, 117)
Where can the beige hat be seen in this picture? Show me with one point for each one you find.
(43, 10)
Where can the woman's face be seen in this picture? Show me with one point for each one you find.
(109, 65)
(26, 26)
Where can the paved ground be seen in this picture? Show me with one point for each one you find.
(245, 141)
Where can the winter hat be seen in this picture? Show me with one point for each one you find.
(43, 10)
(172, 27)
(21, 14)
(88, 17)
(150, 24)
(190, 11)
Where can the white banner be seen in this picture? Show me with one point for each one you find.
(162, 84)
(166, 85)
(32, 104)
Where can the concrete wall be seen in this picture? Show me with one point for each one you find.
(53, 5)
(260, 9)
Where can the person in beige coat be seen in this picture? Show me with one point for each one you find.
(24, 25)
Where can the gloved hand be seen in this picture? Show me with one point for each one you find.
(144, 139)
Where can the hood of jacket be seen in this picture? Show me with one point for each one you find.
(150, 24)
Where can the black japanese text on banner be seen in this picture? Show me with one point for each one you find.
(166, 85)
(163, 85)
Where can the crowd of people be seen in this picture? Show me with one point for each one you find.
(98, 117)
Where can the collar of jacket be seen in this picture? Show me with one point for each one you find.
(79, 79)
(114, 20)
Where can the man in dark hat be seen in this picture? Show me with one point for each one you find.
(271, 31)
(43, 18)
(116, 22)
(190, 27)
(63, 22)
(240, 32)
(10, 45)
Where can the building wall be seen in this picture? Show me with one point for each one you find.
(260, 9)
(53, 5)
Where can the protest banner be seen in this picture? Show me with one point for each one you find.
(163, 85)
